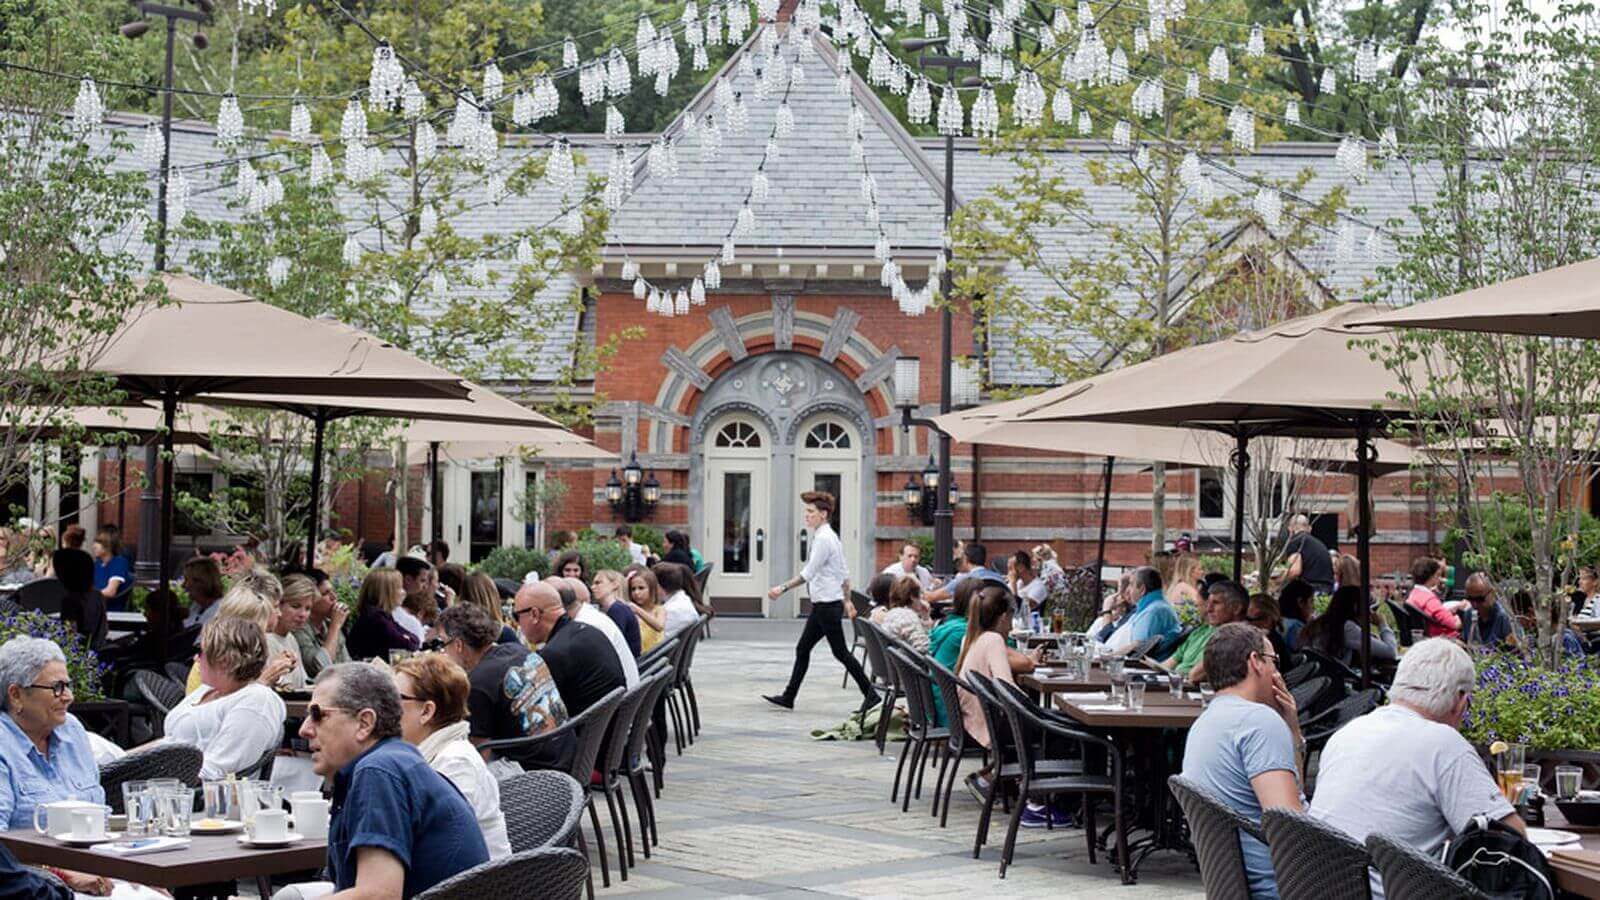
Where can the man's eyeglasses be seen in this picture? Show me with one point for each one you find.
(1479, 598)
(58, 689)
(517, 614)
(1273, 657)
(317, 713)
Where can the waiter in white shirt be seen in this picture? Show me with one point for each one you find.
(824, 576)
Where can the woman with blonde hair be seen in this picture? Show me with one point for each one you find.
(246, 601)
(294, 610)
(479, 590)
(376, 632)
(233, 718)
(1182, 586)
(609, 592)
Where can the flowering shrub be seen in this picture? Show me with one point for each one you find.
(1547, 709)
(234, 563)
(83, 666)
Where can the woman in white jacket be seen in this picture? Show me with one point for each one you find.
(433, 716)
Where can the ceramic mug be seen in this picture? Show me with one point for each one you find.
(311, 816)
(269, 825)
(57, 815)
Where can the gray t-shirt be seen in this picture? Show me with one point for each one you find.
(1429, 779)
(1233, 741)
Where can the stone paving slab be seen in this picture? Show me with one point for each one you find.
(756, 808)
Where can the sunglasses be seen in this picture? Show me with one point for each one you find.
(517, 614)
(317, 713)
(57, 689)
(1478, 598)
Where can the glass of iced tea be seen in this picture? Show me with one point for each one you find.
(1509, 763)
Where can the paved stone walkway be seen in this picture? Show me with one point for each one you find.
(757, 808)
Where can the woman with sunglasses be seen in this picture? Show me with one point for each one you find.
(35, 727)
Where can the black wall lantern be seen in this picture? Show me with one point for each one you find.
(921, 495)
(634, 495)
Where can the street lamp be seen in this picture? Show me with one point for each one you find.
(923, 497)
(148, 566)
(633, 495)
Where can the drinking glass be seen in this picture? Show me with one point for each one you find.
(221, 802)
(176, 808)
(1136, 695)
(1206, 693)
(1530, 780)
(1569, 780)
(1116, 671)
(138, 805)
(1508, 769)
(1175, 682)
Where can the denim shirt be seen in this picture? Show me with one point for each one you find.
(27, 779)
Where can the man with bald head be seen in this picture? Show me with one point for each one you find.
(581, 660)
(1488, 625)
(583, 610)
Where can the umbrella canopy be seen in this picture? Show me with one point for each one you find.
(212, 339)
(1562, 302)
(1300, 378)
(539, 447)
(480, 405)
(138, 420)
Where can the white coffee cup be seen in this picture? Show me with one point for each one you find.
(88, 822)
(311, 816)
(57, 815)
(305, 795)
(270, 825)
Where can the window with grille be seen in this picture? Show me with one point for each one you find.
(828, 436)
(738, 434)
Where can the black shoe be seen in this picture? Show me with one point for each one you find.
(978, 787)
(870, 701)
(779, 700)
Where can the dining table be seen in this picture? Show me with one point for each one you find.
(208, 858)
(1576, 866)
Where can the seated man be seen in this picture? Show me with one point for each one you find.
(1223, 602)
(1152, 614)
(1409, 753)
(1246, 748)
(1488, 625)
(398, 827)
(576, 598)
(582, 662)
(512, 692)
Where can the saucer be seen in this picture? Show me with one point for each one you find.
(285, 841)
(74, 841)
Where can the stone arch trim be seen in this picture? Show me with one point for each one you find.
(804, 416)
(702, 423)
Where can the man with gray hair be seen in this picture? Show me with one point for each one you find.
(398, 827)
(1153, 616)
(1409, 755)
(1308, 557)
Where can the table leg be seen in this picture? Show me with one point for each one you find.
(264, 886)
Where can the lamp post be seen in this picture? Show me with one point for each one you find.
(151, 521)
(937, 488)
(633, 495)
(944, 510)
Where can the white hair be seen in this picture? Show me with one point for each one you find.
(21, 660)
(1432, 676)
(1300, 521)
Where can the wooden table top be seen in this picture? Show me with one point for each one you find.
(1161, 710)
(207, 858)
(1056, 682)
(1577, 869)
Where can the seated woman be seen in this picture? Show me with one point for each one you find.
(902, 621)
(113, 574)
(985, 652)
(433, 716)
(294, 611)
(321, 638)
(45, 752)
(479, 590)
(1297, 603)
(878, 589)
(608, 597)
(376, 632)
(233, 718)
(644, 598)
(253, 597)
(1337, 632)
(681, 610)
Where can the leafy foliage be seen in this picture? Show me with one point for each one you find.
(83, 665)
(1547, 708)
(514, 563)
(603, 553)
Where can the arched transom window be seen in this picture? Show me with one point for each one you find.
(737, 434)
(827, 436)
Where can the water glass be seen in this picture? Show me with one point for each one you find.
(1569, 780)
(175, 807)
(1175, 682)
(1508, 771)
(1206, 693)
(1530, 780)
(1118, 675)
(139, 804)
(1136, 695)
(221, 801)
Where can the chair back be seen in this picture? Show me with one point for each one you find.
(654, 684)
(164, 760)
(1310, 694)
(559, 872)
(593, 724)
(1002, 740)
(161, 692)
(695, 635)
(178, 670)
(625, 721)
(543, 808)
(679, 655)
(663, 650)
(1299, 674)
(1333, 668)
(1027, 737)
(1214, 829)
(877, 661)
(918, 687)
(703, 576)
(1314, 861)
(1410, 874)
(42, 595)
(1341, 714)
(950, 688)
(261, 769)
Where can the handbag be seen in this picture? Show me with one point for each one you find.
(1499, 861)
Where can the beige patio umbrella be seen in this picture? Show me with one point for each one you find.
(1560, 302)
(210, 339)
(1300, 378)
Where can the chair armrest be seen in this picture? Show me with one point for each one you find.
(1050, 725)
(526, 743)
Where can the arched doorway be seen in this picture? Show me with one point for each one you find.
(738, 484)
(827, 457)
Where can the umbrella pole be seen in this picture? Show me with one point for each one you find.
(319, 423)
(1241, 465)
(122, 488)
(1364, 453)
(169, 413)
(435, 495)
(1105, 512)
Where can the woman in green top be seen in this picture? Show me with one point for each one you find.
(944, 641)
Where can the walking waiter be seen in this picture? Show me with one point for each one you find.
(824, 576)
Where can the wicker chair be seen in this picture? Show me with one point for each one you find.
(682, 728)
(161, 693)
(858, 645)
(883, 679)
(542, 809)
(613, 769)
(1314, 695)
(636, 762)
(1214, 828)
(1314, 861)
(167, 760)
(924, 734)
(684, 685)
(1409, 874)
(178, 670)
(261, 769)
(663, 654)
(588, 729)
(958, 744)
(1319, 728)
(559, 873)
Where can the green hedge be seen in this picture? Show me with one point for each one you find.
(514, 563)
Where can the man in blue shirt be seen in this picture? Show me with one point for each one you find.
(1488, 625)
(398, 827)
(1246, 748)
(1152, 615)
(972, 560)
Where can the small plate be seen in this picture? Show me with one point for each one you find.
(1551, 836)
(101, 838)
(288, 839)
(228, 826)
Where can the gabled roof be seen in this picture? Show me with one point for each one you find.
(814, 201)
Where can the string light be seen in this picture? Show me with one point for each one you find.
(88, 111)
(387, 78)
(150, 147)
(353, 125)
(230, 122)
(300, 124)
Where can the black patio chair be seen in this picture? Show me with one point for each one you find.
(923, 732)
(863, 604)
(543, 808)
(1410, 874)
(636, 762)
(1005, 758)
(958, 745)
(1214, 829)
(1333, 668)
(1311, 695)
(161, 693)
(44, 595)
(165, 760)
(882, 678)
(588, 729)
(1319, 728)
(677, 705)
(178, 670)
(1314, 861)
(261, 769)
(1031, 725)
(559, 873)
(613, 770)
(1299, 674)
(1406, 618)
(661, 651)
(1143, 648)
(684, 684)
(662, 654)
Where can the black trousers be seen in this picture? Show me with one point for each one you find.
(825, 621)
